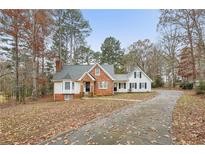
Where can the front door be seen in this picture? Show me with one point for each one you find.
(86, 87)
(115, 87)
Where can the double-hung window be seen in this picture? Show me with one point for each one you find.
(124, 85)
(103, 85)
(140, 74)
(67, 85)
(143, 85)
(135, 85)
(135, 74)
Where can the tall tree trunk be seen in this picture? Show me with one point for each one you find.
(71, 48)
(34, 82)
(34, 69)
(17, 68)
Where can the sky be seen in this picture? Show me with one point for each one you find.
(127, 26)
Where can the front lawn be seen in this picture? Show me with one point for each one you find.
(35, 122)
(188, 126)
(133, 96)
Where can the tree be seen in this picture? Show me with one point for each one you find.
(12, 24)
(37, 31)
(139, 52)
(112, 53)
(170, 46)
(71, 31)
(97, 57)
(185, 65)
(83, 55)
(184, 23)
(58, 39)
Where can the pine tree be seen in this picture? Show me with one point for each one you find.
(112, 53)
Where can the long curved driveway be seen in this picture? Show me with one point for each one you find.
(147, 122)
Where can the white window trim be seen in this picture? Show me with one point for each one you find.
(143, 83)
(65, 84)
(105, 86)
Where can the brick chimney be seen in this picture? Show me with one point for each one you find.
(59, 65)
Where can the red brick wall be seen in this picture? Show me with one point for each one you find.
(59, 97)
(103, 77)
(58, 66)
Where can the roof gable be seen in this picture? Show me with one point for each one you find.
(129, 74)
(86, 73)
(75, 72)
(104, 69)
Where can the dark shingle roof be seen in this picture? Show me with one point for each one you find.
(74, 72)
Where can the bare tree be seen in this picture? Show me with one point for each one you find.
(170, 45)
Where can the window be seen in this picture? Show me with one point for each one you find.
(140, 74)
(73, 85)
(103, 85)
(135, 74)
(67, 85)
(143, 85)
(68, 97)
(132, 85)
(124, 85)
(135, 85)
(119, 85)
(97, 71)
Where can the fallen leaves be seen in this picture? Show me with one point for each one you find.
(137, 96)
(37, 122)
(188, 126)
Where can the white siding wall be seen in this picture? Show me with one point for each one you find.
(137, 80)
(76, 89)
(122, 87)
(59, 88)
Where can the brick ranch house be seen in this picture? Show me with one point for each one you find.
(75, 81)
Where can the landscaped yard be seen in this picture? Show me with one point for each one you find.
(133, 96)
(188, 125)
(35, 122)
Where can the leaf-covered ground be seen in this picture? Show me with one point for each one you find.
(137, 96)
(35, 122)
(188, 125)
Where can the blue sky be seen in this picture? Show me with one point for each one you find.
(127, 26)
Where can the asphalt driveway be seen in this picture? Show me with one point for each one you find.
(147, 122)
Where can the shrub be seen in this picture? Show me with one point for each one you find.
(200, 88)
(186, 85)
(158, 82)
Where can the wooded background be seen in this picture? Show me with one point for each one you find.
(31, 41)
